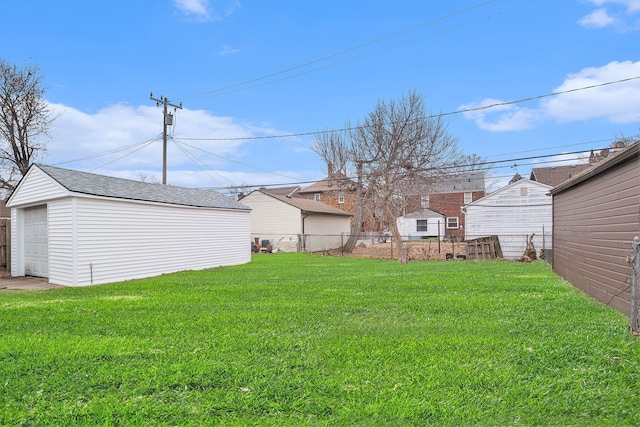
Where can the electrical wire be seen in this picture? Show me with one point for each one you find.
(200, 163)
(334, 55)
(466, 110)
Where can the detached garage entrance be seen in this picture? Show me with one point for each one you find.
(36, 242)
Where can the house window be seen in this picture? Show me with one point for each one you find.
(316, 197)
(524, 192)
(421, 225)
(452, 222)
(341, 198)
(424, 202)
(468, 198)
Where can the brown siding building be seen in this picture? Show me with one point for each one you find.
(596, 215)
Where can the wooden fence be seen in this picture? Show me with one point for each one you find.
(5, 244)
(484, 248)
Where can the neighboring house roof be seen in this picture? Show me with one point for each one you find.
(306, 205)
(610, 162)
(461, 183)
(282, 191)
(423, 213)
(119, 188)
(556, 175)
(335, 182)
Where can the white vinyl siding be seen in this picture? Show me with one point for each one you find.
(121, 240)
(408, 227)
(95, 240)
(325, 231)
(35, 188)
(274, 220)
(62, 242)
(512, 213)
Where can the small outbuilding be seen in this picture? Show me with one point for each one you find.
(596, 216)
(78, 228)
(291, 224)
(512, 213)
(422, 224)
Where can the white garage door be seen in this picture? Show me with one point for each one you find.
(36, 242)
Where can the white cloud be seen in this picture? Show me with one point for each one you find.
(126, 141)
(616, 103)
(201, 10)
(226, 50)
(493, 115)
(196, 8)
(617, 13)
(597, 19)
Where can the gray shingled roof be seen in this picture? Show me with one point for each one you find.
(108, 186)
(307, 205)
(556, 175)
(422, 213)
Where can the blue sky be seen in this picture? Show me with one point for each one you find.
(246, 69)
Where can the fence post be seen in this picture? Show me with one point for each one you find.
(635, 262)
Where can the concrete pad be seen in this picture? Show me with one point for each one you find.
(26, 283)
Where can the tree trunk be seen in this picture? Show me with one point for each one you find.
(402, 257)
(356, 226)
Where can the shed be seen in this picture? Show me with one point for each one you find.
(78, 228)
(596, 215)
(421, 224)
(512, 213)
(293, 224)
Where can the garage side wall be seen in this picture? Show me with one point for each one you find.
(117, 240)
(324, 232)
(594, 223)
(274, 220)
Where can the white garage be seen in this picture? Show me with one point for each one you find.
(36, 242)
(78, 228)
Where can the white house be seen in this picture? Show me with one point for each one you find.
(78, 228)
(294, 224)
(421, 224)
(513, 213)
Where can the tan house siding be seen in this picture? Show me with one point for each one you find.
(594, 221)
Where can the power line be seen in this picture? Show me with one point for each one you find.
(466, 110)
(478, 167)
(106, 153)
(334, 55)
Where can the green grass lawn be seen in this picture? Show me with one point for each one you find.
(293, 339)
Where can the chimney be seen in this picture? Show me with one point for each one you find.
(329, 169)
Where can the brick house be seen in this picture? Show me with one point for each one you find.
(339, 191)
(446, 196)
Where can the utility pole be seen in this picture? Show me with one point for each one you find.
(167, 121)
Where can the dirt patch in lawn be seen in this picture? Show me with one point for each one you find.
(418, 250)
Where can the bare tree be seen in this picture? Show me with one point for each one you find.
(24, 120)
(395, 144)
(336, 151)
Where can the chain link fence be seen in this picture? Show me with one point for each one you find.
(381, 245)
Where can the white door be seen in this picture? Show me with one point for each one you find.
(36, 242)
